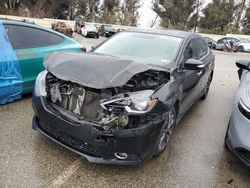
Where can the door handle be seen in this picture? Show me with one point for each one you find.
(199, 73)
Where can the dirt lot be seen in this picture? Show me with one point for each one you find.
(196, 156)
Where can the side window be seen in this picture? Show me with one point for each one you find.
(22, 37)
(190, 51)
(202, 47)
(221, 41)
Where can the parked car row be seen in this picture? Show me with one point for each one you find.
(230, 44)
(118, 103)
(91, 30)
(86, 30)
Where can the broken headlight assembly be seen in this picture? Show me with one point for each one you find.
(40, 85)
(134, 103)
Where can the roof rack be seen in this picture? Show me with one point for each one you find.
(21, 20)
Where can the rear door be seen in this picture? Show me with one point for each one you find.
(31, 45)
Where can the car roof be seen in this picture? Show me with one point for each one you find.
(29, 24)
(229, 38)
(168, 32)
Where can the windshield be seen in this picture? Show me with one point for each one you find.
(147, 48)
(244, 40)
(92, 27)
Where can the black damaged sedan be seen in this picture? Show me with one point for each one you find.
(119, 103)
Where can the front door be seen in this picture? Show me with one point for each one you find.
(191, 79)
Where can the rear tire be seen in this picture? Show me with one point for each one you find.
(166, 132)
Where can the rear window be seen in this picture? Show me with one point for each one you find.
(22, 37)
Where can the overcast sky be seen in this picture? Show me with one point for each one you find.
(147, 15)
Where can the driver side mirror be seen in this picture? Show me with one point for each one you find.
(193, 64)
(243, 64)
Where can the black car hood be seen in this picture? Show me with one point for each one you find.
(94, 70)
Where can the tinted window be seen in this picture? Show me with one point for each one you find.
(22, 37)
(190, 51)
(202, 47)
(223, 40)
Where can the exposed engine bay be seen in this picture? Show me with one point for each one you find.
(112, 107)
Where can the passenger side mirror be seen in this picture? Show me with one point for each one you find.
(243, 64)
(193, 64)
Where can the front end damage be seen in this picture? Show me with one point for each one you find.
(117, 125)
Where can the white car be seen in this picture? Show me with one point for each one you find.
(90, 31)
(244, 45)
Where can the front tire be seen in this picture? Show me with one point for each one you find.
(166, 132)
(206, 89)
(226, 138)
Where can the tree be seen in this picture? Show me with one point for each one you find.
(174, 13)
(89, 9)
(129, 12)
(246, 22)
(218, 15)
(9, 5)
(239, 12)
(194, 18)
(109, 11)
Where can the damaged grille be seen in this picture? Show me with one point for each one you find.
(104, 106)
(74, 98)
(70, 141)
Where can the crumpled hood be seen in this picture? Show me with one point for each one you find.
(94, 70)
